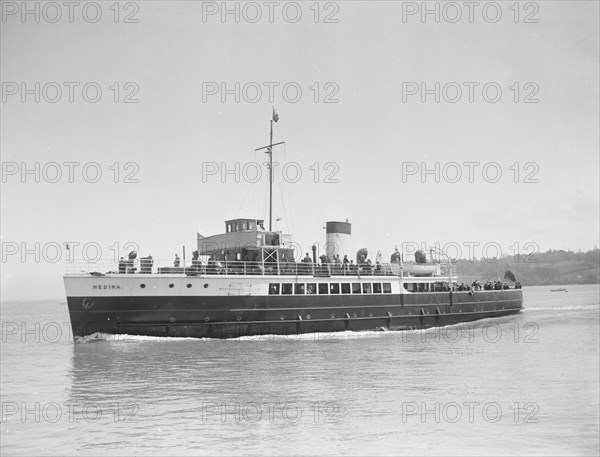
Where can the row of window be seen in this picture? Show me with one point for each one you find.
(332, 288)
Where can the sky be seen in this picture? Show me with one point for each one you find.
(475, 130)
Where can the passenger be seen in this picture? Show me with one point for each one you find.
(307, 259)
(122, 266)
(146, 264)
(177, 261)
(337, 260)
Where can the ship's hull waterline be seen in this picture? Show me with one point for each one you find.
(233, 316)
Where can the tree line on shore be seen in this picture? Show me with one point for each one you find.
(550, 267)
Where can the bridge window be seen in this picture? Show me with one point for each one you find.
(334, 288)
(286, 289)
(299, 288)
(345, 287)
(311, 288)
(387, 288)
(323, 288)
(366, 287)
(356, 288)
(376, 287)
(273, 289)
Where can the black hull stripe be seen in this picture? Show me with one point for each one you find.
(236, 316)
(338, 319)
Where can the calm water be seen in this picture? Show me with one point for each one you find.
(526, 384)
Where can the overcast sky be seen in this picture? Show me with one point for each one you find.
(362, 121)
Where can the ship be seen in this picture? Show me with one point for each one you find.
(249, 281)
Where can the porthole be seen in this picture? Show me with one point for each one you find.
(332, 315)
(171, 285)
(206, 319)
(172, 319)
(205, 285)
(282, 317)
(239, 318)
(142, 285)
(308, 316)
(370, 314)
(354, 315)
(189, 286)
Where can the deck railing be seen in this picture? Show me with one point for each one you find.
(197, 268)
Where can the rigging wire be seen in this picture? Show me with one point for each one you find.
(251, 187)
(277, 183)
(281, 193)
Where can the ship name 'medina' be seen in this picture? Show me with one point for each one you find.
(246, 281)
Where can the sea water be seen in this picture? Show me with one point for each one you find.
(523, 384)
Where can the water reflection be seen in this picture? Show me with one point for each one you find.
(335, 394)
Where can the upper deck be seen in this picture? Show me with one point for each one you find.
(147, 266)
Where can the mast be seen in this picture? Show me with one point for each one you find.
(271, 177)
(269, 151)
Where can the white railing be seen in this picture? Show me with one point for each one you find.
(151, 266)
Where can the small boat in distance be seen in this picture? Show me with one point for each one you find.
(250, 281)
(562, 289)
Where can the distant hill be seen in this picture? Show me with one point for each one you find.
(551, 267)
